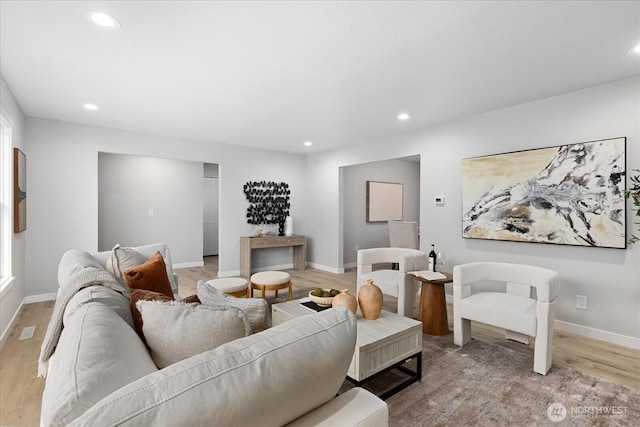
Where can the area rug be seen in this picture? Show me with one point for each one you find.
(483, 384)
(489, 385)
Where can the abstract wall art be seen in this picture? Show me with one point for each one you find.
(268, 203)
(569, 195)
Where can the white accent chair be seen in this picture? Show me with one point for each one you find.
(392, 282)
(514, 309)
(403, 234)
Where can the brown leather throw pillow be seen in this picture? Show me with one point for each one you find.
(150, 276)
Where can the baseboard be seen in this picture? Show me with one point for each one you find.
(598, 334)
(350, 265)
(39, 298)
(188, 264)
(9, 328)
(585, 331)
(326, 268)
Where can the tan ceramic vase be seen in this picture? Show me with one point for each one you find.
(370, 300)
(345, 299)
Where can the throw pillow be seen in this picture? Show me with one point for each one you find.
(143, 295)
(256, 308)
(122, 259)
(190, 299)
(150, 276)
(175, 331)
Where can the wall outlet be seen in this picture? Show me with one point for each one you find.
(151, 212)
(581, 302)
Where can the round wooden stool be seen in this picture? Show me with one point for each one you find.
(236, 286)
(271, 281)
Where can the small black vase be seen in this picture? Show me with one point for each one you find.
(281, 228)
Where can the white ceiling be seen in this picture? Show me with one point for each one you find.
(274, 74)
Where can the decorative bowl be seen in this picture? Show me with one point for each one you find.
(321, 301)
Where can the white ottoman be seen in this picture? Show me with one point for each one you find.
(236, 286)
(271, 281)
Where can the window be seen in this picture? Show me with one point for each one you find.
(6, 179)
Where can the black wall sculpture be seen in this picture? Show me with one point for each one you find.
(268, 203)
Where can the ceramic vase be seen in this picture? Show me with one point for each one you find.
(345, 299)
(370, 300)
(288, 226)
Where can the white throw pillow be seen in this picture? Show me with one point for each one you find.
(122, 259)
(176, 331)
(256, 309)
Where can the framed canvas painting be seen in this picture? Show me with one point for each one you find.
(384, 201)
(569, 195)
(19, 191)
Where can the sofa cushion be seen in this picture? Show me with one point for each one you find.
(97, 353)
(355, 407)
(72, 262)
(103, 295)
(255, 308)
(175, 331)
(143, 295)
(150, 275)
(284, 372)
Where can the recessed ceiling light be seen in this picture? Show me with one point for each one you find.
(403, 116)
(91, 107)
(636, 49)
(308, 143)
(102, 19)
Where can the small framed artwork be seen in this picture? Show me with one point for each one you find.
(384, 201)
(569, 195)
(19, 191)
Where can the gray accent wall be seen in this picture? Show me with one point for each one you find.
(360, 234)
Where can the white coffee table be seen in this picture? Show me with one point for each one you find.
(381, 345)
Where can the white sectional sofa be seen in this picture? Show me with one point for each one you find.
(101, 372)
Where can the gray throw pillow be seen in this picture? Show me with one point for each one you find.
(122, 259)
(256, 309)
(175, 331)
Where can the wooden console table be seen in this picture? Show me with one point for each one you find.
(297, 242)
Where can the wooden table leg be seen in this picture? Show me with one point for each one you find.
(433, 309)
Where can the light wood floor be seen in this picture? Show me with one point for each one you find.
(21, 390)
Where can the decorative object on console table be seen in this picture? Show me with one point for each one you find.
(370, 299)
(288, 226)
(268, 203)
(571, 195)
(19, 191)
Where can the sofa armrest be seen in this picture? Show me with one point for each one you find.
(356, 407)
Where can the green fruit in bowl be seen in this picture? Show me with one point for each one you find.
(318, 292)
(334, 292)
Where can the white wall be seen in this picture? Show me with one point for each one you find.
(12, 299)
(63, 186)
(610, 278)
(357, 231)
(129, 186)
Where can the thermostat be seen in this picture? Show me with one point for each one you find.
(439, 201)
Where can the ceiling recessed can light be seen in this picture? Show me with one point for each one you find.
(308, 143)
(102, 19)
(403, 116)
(91, 107)
(636, 49)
